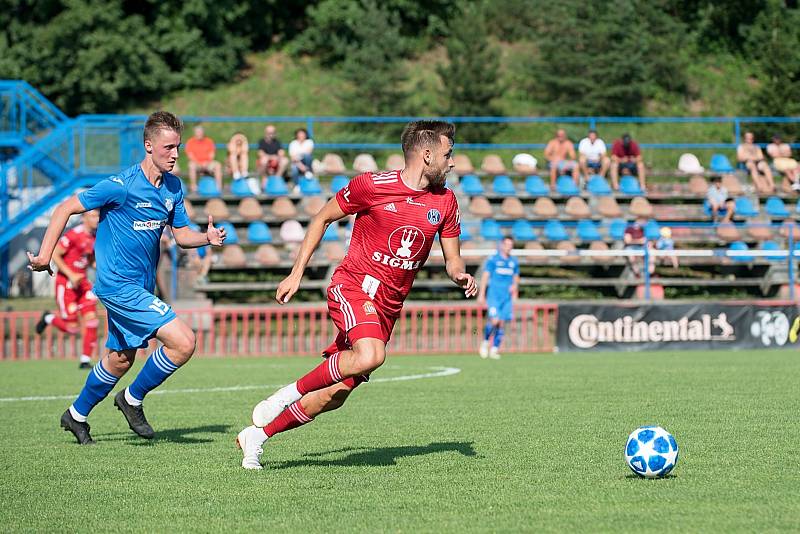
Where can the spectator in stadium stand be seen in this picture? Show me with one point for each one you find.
(201, 150)
(720, 203)
(560, 156)
(271, 156)
(635, 240)
(752, 157)
(782, 160)
(627, 159)
(300, 150)
(592, 155)
(239, 156)
(665, 242)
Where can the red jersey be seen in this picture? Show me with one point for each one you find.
(393, 234)
(78, 245)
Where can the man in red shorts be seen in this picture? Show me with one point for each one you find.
(74, 296)
(399, 214)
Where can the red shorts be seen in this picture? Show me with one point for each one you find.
(74, 300)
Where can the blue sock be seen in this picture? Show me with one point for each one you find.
(156, 369)
(98, 385)
(488, 330)
(498, 336)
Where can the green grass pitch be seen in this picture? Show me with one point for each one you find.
(531, 442)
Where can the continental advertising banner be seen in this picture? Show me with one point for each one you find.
(583, 327)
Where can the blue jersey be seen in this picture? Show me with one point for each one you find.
(501, 276)
(133, 214)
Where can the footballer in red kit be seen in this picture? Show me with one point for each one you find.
(77, 304)
(398, 215)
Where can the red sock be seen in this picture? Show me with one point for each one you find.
(290, 418)
(62, 325)
(324, 375)
(90, 338)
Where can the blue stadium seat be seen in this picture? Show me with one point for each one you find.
(466, 234)
(776, 208)
(588, 231)
(310, 186)
(629, 185)
(652, 230)
(522, 230)
(502, 185)
(258, 232)
(240, 188)
(276, 186)
(471, 185)
(207, 187)
(616, 229)
(720, 163)
(331, 232)
(230, 230)
(555, 231)
(745, 208)
(740, 245)
(598, 186)
(338, 183)
(772, 245)
(565, 185)
(536, 187)
(490, 230)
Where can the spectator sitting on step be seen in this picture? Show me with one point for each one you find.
(592, 155)
(560, 156)
(752, 157)
(635, 239)
(784, 163)
(720, 203)
(665, 242)
(626, 158)
(271, 156)
(300, 150)
(201, 151)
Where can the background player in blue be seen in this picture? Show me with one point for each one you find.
(501, 275)
(135, 206)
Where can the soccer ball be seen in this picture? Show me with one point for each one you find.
(651, 451)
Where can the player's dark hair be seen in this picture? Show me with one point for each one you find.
(425, 134)
(161, 120)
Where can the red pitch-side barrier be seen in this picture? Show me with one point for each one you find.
(302, 330)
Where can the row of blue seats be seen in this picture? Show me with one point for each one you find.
(534, 185)
(553, 230)
(773, 206)
(258, 233)
(275, 186)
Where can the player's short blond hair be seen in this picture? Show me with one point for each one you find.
(425, 134)
(161, 120)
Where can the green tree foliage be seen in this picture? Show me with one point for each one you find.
(718, 24)
(471, 77)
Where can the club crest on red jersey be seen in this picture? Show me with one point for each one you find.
(434, 217)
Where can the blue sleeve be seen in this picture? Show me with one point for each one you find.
(516, 267)
(178, 218)
(110, 192)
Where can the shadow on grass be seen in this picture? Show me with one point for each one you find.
(380, 456)
(666, 477)
(172, 435)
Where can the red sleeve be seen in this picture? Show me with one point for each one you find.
(452, 219)
(617, 149)
(358, 195)
(635, 149)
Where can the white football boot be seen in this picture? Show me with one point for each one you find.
(484, 350)
(267, 410)
(494, 354)
(250, 442)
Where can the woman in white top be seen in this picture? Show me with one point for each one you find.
(300, 150)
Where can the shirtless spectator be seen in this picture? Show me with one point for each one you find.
(271, 156)
(560, 155)
(201, 151)
(300, 150)
(626, 158)
(751, 155)
(239, 156)
(592, 155)
(784, 163)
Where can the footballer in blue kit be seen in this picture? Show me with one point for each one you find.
(498, 289)
(135, 207)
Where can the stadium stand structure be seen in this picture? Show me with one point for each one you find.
(561, 233)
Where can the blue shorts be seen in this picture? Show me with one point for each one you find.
(500, 309)
(134, 317)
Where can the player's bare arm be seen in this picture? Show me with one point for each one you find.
(185, 237)
(330, 213)
(484, 284)
(58, 259)
(455, 267)
(58, 221)
(515, 287)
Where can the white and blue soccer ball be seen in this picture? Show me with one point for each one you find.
(651, 452)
